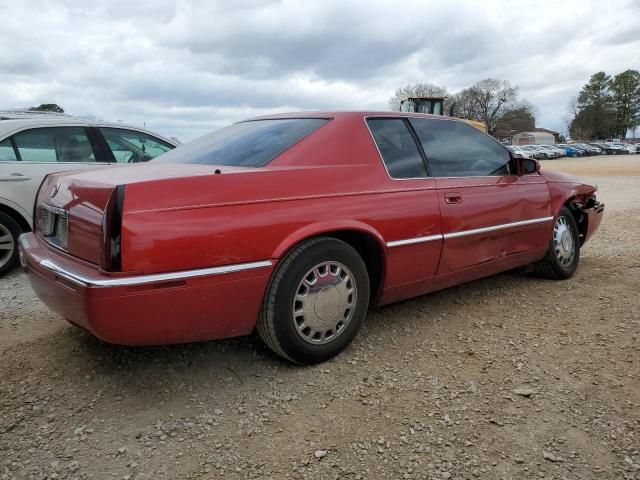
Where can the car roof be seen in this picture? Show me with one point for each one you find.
(350, 114)
(9, 126)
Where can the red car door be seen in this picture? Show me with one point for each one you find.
(487, 211)
(413, 236)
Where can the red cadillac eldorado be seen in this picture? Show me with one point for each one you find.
(294, 225)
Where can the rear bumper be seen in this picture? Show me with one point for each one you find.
(594, 218)
(154, 309)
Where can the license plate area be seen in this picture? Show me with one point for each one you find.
(53, 225)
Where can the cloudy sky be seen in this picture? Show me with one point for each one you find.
(188, 67)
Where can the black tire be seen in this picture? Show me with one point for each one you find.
(8, 258)
(555, 265)
(276, 324)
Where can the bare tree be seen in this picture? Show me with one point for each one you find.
(519, 117)
(491, 101)
(415, 90)
(572, 107)
(492, 98)
(462, 105)
(572, 111)
(494, 102)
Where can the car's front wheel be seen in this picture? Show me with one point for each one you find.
(316, 301)
(563, 254)
(9, 233)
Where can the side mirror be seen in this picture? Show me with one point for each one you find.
(529, 166)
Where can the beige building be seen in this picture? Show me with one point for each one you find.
(537, 136)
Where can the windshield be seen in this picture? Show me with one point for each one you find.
(246, 144)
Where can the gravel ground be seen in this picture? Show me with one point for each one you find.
(509, 377)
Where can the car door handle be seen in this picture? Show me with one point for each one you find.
(453, 198)
(14, 177)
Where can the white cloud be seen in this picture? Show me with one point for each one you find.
(189, 67)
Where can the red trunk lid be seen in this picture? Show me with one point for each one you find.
(83, 198)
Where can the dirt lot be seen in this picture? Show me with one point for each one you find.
(509, 377)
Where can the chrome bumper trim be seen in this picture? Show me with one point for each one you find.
(411, 241)
(144, 279)
(502, 226)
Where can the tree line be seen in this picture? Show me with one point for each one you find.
(494, 102)
(606, 107)
(47, 107)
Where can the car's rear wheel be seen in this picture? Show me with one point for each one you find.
(316, 301)
(563, 255)
(9, 233)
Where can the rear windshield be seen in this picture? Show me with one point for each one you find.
(246, 144)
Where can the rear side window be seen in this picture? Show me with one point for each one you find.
(456, 149)
(397, 147)
(57, 144)
(7, 154)
(130, 146)
(246, 144)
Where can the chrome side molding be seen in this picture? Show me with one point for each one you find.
(502, 226)
(465, 233)
(411, 241)
(85, 281)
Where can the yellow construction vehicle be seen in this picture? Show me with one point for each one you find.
(434, 106)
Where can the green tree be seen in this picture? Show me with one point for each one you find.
(596, 116)
(625, 88)
(47, 107)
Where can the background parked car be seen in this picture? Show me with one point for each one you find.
(35, 145)
(547, 153)
(588, 149)
(559, 149)
(608, 149)
(537, 153)
(517, 149)
(627, 148)
(572, 151)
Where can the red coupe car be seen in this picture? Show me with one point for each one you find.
(294, 225)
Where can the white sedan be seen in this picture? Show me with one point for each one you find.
(520, 151)
(35, 145)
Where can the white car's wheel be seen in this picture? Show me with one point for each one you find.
(9, 233)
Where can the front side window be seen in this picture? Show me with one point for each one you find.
(253, 143)
(7, 154)
(397, 147)
(130, 146)
(456, 149)
(54, 144)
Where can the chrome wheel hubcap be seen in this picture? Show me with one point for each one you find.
(7, 245)
(324, 303)
(563, 241)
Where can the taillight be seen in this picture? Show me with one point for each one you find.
(111, 231)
